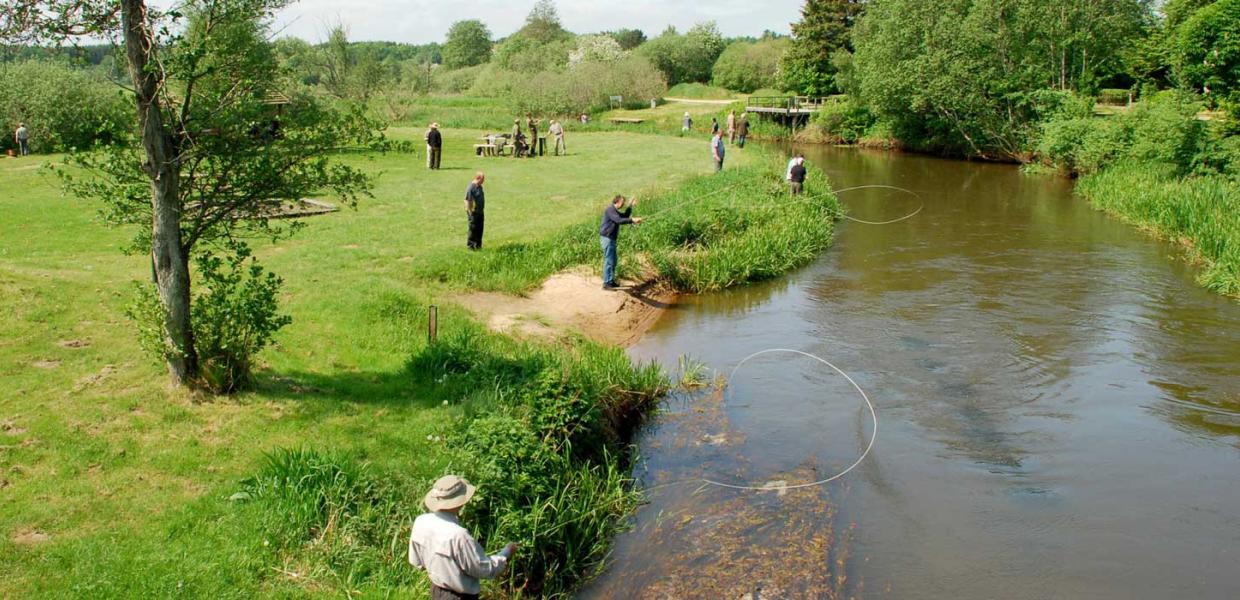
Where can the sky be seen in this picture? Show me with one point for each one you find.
(422, 21)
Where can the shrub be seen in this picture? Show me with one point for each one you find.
(329, 509)
(234, 316)
(63, 107)
(746, 66)
(844, 120)
(455, 81)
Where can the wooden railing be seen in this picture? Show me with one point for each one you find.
(789, 103)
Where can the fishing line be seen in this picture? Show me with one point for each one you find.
(704, 482)
(865, 453)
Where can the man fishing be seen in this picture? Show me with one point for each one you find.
(453, 560)
(617, 214)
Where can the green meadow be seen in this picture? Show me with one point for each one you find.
(113, 484)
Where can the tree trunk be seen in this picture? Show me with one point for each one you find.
(169, 256)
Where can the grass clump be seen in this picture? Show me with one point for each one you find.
(545, 437)
(1200, 211)
(713, 232)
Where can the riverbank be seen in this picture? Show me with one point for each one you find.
(114, 486)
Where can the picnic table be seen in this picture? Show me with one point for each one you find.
(492, 145)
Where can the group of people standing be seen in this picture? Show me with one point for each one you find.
(737, 130)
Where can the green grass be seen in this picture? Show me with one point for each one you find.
(116, 486)
(700, 91)
(1198, 211)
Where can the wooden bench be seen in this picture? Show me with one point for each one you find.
(486, 149)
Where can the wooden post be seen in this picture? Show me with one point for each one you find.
(432, 324)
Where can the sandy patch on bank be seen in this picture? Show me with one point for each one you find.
(575, 301)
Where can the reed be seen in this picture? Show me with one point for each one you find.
(1199, 211)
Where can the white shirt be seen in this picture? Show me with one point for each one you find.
(452, 558)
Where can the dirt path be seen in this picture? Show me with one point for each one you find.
(575, 301)
(697, 101)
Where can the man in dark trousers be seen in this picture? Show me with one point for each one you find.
(742, 130)
(609, 232)
(434, 146)
(796, 177)
(532, 126)
(475, 202)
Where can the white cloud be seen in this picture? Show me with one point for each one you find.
(421, 21)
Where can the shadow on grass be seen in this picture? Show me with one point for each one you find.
(392, 388)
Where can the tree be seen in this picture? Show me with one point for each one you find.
(469, 44)
(542, 25)
(629, 38)
(747, 66)
(968, 76)
(1208, 52)
(213, 162)
(688, 57)
(596, 48)
(825, 29)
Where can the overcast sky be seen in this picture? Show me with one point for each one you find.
(421, 21)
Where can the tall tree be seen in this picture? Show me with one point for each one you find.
(629, 38)
(469, 44)
(212, 162)
(825, 28)
(542, 25)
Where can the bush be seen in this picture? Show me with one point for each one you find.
(685, 58)
(746, 66)
(844, 121)
(328, 508)
(1208, 52)
(455, 81)
(1162, 129)
(584, 87)
(545, 440)
(62, 107)
(234, 316)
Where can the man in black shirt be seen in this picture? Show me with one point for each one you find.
(796, 178)
(434, 146)
(475, 202)
(609, 232)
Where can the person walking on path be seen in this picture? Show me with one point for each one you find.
(557, 131)
(453, 560)
(742, 130)
(22, 137)
(617, 214)
(731, 127)
(532, 126)
(475, 203)
(685, 124)
(434, 146)
(716, 150)
(796, 177)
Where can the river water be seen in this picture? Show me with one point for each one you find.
(1058, 410)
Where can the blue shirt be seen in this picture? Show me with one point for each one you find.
(717, 143)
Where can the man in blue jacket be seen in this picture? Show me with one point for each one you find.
(609, 231)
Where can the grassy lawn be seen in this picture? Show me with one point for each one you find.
(111, 483)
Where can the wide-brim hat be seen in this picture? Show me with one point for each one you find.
(449, 492)
(434, 125)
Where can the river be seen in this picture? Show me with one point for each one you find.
(1058, 410)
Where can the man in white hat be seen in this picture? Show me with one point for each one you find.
(434, 146)
(453, 559)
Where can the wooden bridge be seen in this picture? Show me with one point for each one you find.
(784, 105)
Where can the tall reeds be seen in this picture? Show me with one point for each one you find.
(1202, 211)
